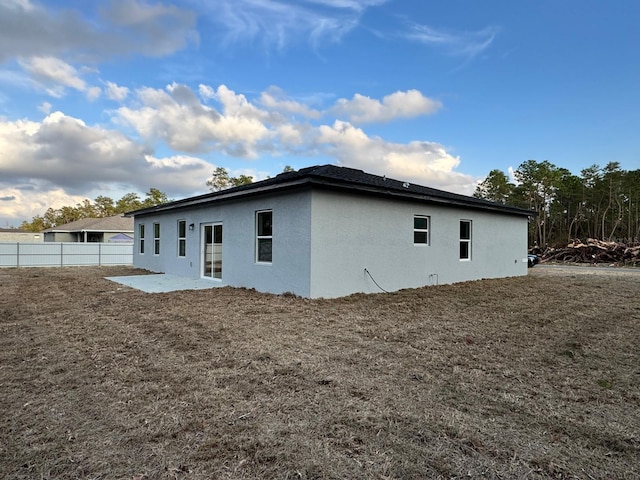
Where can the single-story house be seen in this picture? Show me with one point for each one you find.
(329, 231)
(16, 235)
(116, 228)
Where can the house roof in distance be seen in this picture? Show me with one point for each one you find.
(343, 179)
(116, 223)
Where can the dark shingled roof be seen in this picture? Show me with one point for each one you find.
(343, 179)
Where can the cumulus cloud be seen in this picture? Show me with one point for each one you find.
(29, 29)
(426, 163)
(176, 116)
(362, 109)
(45, 107)
(53, 74)
(115, 92)
(60, 160)
(242, 128)
(22, 203)
(64, 153)
(275, 99)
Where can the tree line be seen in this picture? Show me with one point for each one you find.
(101, 206)
(600, 203)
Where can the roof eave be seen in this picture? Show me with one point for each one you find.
(223, 195)
(321, 181)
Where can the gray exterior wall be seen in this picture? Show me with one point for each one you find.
(9, 235)
(60, 237)
(323, 241)
(290, 269)
(98, 237)
(350, 233)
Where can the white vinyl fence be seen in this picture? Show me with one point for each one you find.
(64, 254)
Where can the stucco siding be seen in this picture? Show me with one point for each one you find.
(290, 267)
(351, 233)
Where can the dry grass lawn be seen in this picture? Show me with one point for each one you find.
(531, 377)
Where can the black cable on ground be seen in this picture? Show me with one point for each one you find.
(374, 281)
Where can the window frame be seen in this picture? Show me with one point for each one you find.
(465, 241)
(261, 238)
(182, 238)
(426, 231)
(141, 238)
(156, 238)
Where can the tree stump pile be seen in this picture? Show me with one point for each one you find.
(594, 251)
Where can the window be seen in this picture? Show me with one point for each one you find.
(421, 230)
(465, 239)
(264, 236)
(182, 238)
(156, 239)
(141, 235)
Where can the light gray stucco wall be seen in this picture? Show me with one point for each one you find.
(290, 269)
(59, 237)
(351, 233)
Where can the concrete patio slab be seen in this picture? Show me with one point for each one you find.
(163, 282)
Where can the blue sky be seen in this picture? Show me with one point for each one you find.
(114, 96)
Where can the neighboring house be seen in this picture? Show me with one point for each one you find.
(330, 231)
(14, 235)
(105, 229)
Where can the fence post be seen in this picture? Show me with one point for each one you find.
(61, 254)
(17, 254)
(99, 254)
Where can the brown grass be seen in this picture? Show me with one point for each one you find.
(531, 377)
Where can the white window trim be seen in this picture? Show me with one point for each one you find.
(141, 243)
(261, 237)
(422, 230)
(467, 241)
(156, 240)
(182, 239)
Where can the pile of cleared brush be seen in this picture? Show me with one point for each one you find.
(594, 251)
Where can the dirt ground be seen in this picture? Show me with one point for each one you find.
(529, 377)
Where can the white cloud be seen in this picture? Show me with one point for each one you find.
(53, 74)
(115, 92)
(114, 28)
(277, 23)
(362, 109)
(178, 173)
(21, 203)
(206, 92)
(64, 153)
(60, 160)
(464, 44)
(178, 118)
(276, 100)
(93, 93)
(424, 163)
(45, 107)
(242, 129)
